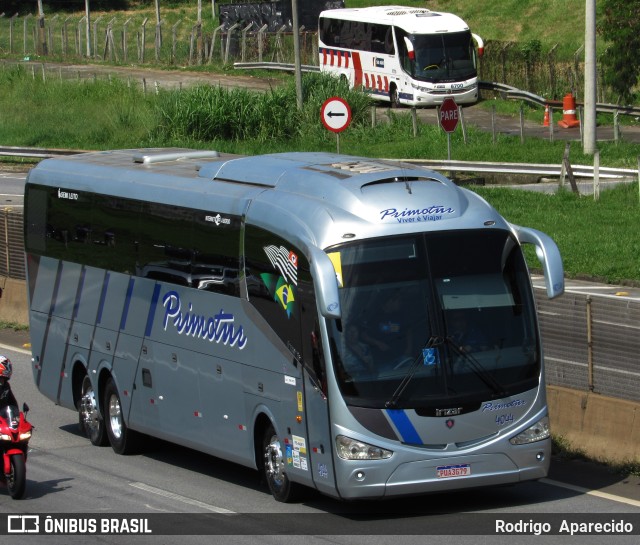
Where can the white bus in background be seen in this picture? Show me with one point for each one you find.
(409, 56)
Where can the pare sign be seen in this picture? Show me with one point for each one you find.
(449, 115)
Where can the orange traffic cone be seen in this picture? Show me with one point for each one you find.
(545, 122)
(569, 119)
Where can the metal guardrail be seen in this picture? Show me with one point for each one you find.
(552, 171)
(35, 153)
(535, 169)
(518, 94)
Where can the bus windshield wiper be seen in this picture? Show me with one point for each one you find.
(477, 368)
(433, 341)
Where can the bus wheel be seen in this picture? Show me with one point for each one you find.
(393, 97)
(122, 439)
(280, 486)
(90, 421)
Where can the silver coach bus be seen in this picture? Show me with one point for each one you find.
(362, 327)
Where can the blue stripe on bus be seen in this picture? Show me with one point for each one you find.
(404, 426)
(127, 302)
(103, 296)
(152, 310)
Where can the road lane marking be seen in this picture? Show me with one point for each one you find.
(596, 493)
(183, 499)
(15, 349)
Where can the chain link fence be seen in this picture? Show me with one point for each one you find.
(12, 263)
(591, 343)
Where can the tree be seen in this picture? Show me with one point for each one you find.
(620, 28)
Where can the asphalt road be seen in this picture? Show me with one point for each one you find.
(205, 497)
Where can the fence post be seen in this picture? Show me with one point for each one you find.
(11, 22)
(95, 37)
(78, 38)
(143, 39)
(25, 33)
(521, 124)
(493, 123)
(260, 40)
(462, 123)
(6, 240)
(213, 41)
(596, 175)
(414, 121)
(125, 46)
(50, 34)
(552, 73)
(174, 41)
(277, 53)
(65, 37)
(228, 44)
(244, 41)
(589, 344)
(158, 40)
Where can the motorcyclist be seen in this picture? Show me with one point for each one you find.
(6, 395)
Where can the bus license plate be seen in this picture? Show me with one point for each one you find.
(462, 470)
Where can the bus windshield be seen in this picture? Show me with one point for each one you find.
(433, 319)
(440, 57)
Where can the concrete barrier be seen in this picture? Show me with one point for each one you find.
(13, 301)
(603, 428)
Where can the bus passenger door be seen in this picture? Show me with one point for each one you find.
(317, 418)
(316, 404)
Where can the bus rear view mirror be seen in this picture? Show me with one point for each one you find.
(326, 284)
(549, 256)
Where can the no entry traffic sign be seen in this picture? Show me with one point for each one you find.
(335, 114)
(449, 115)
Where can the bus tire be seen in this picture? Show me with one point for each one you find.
(393, 97)
(90, 420)
(122, 439)
(280, 486)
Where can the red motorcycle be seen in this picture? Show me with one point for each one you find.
(15, 432)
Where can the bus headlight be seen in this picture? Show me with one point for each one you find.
(350, 449)
(538, 432)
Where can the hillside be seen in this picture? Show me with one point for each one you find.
(549, 21)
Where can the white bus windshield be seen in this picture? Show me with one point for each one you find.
(433, 319)
(439, 57)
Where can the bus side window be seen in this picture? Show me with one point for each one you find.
(36, 231)
(163, 244)
(378, 38)
(280, 288)
(389, 47)
(216, 249)
(114, 233)
(69, 223)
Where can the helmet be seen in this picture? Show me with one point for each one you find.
(5, 367)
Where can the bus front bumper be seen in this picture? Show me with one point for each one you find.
(522, 463)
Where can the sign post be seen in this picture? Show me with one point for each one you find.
(448, 118)
(336, 116)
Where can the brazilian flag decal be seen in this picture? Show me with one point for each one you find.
(281, 291)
